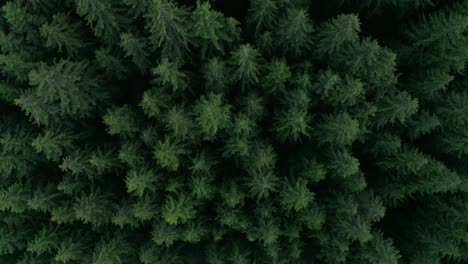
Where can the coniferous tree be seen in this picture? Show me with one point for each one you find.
(168, 154)
(121, 121)
(263, 14)
(62, 35)
(339, 130)
(167, 25)
(135, 48)
(100, 15)
(245, 60)
(337, 32)
(169, 76)
(294, 31)
(263, 131)
(211, 115)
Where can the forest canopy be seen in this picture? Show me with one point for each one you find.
(217, 131)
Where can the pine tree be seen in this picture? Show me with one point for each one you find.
(137, 7)
(341, 164)
(263, 14)
(202, 187)
(292, 124)
(338, 91)
(112, 66)
(11, 240)
(39, 112)
(246, 61)
(21, 21)
(15, 198)
(428, 85)
(207, 25)
(211, 115)
(69, 85)
(144, 208)
(77, 163)
(44, 198)
(338, 130)
(214, 73)
(121, 121)
(93, 208)
(100, 15)
(261, 184)
(159, 255)
(104, 160)
(437, 40)
(141, 181)
(451, 110)
(294, 32)
(336, 33)
(179, 123)
(178, 210)
(231, 194)
(62, 35)
(422, 124)
(168, 154)
(278, 75)
(167, 25)
(135, 49)
(46, 241)
(262, 157)
(71, 250)
(53, 144)
(295, 195)
(16, 153)
(153, 102)
(398, 107)
(369, 62)
(169, 76)
(114, 250)
(267, 232)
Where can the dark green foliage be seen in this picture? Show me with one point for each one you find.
(168, 154)
(292, 124)
(211, 115)
(71, 249)
(121, 121)
(61, 35)
(262, 131)
(262, 14)
(53, 144)
(167, 25)
(278, 75)
(211, 31)
(398, 107)
(334, 34)
(215, 75)
(178, 210)
(339, 130)
(295, 195)
(100, 15)
(245, 61)
(140, 181)
(294, 32)
(438, 39)
(114, 250)
(135, 49)
(93, 208)
(153, 102)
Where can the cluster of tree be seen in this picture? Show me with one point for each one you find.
(164, 131)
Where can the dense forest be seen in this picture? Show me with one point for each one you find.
(233, 131)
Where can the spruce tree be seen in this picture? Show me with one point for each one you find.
(263, 131)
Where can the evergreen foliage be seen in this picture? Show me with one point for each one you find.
(262, 131)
